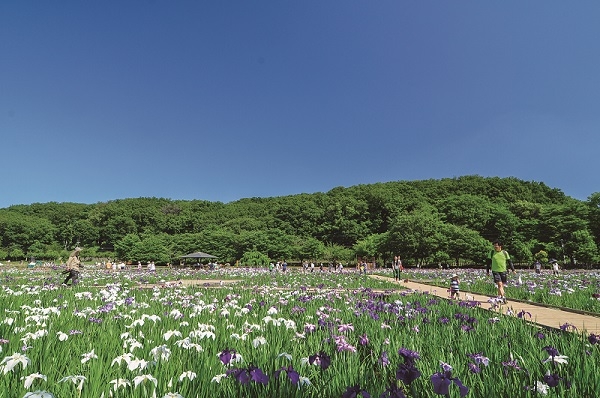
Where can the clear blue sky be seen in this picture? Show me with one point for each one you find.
(222, 100)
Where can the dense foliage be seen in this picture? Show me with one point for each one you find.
(426, 222)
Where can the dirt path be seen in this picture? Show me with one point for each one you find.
(542, 315)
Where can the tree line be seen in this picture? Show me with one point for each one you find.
(444, 221)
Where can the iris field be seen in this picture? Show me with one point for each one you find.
(139, 334)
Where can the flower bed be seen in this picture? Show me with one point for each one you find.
(295, 335)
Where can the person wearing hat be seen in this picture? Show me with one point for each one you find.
(454, 287)
(554, 266)
(73, 266)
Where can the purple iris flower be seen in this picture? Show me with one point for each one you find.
(511, 364)
(522, 314)
(244, 376)
(540, 335)
(568, 326)
(460, 316)
(107, 307)
(241, 375)
(407, 373)
(553, 352)
(291, 373)
(257, 375)
(363, 340)
(384, 360)
(474, 368)
(479, 358)
(408, 355)
(594, 338)
(354, 392)
(551, 379)
(441, 383)
(226, 356)
(321, 359)
(446, 367)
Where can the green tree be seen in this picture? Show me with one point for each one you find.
(37, 250)
(462, 243)
(593, 204)
(124, 248)
(24, 230)
(416, 235)
(254, 258)
(469, 211)
(308, 248)
(541, 256)
(152, 248)
(582, 248)
(85, 233)
(16, 253)
(372, 246)
(218, 242)
(335, 253)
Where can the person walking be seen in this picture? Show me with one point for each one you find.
(498, 261)
(554, 266)
(538, 267)
(454, 287)
(73, 266)
(396, 269)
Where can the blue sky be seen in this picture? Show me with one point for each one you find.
(225, 100)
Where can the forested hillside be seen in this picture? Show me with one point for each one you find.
(428, 222)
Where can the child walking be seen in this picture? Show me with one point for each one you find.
(454, 287)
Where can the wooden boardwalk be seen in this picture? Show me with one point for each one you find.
(542, 315)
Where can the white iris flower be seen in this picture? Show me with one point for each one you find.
(120, 383)
(88, 356)
(75, 379)
(31, 378)
(189, 374)
(161, 353)
(144, 378)
(171, 333)
(217, 378)
(285, 355)
(560, 359)
(12, 361)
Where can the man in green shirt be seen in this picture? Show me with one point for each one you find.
(498, 261)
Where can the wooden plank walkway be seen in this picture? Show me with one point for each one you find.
(542, 315)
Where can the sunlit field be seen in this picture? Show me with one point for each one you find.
(139, 334)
